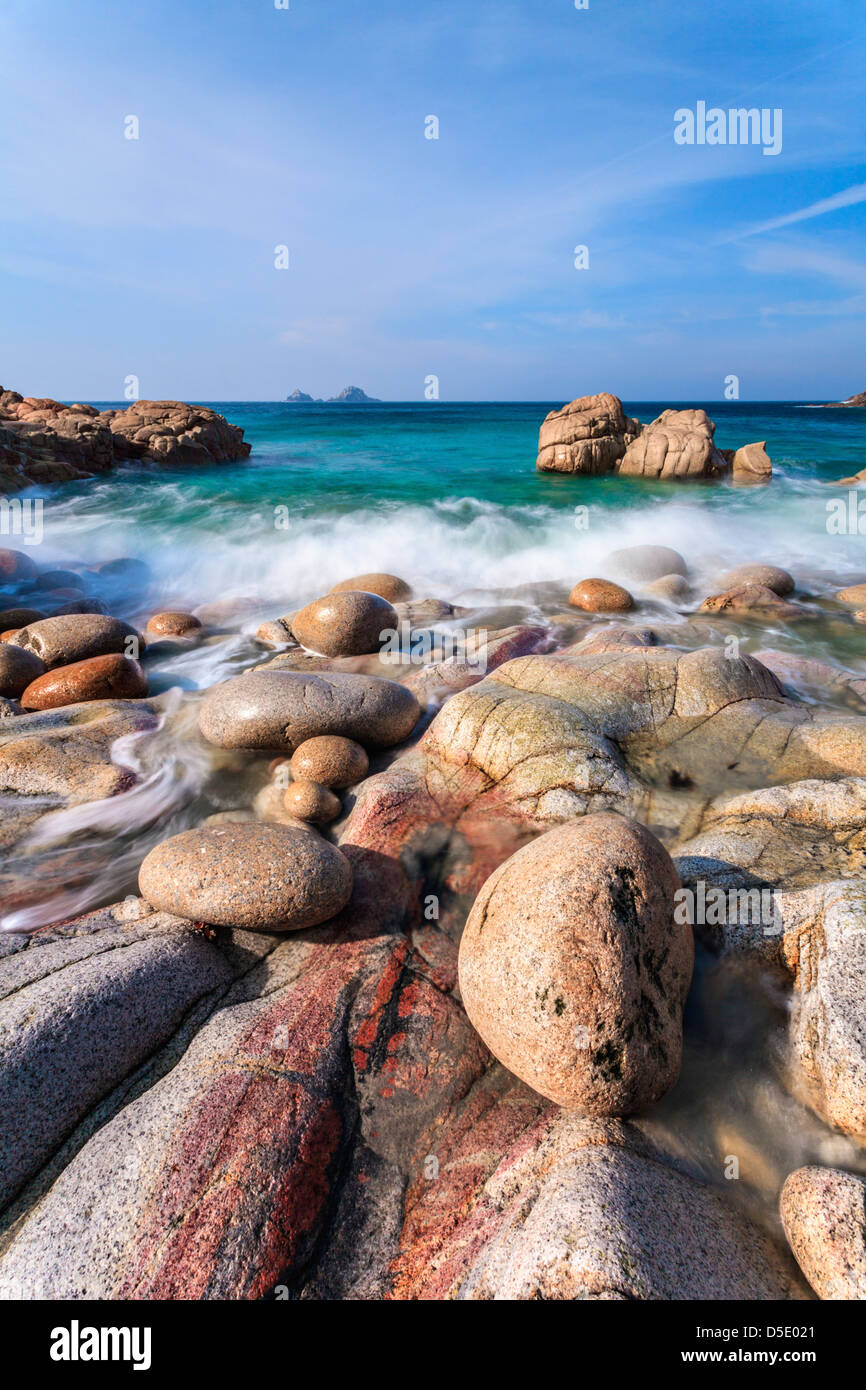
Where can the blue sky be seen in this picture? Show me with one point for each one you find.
(409, 257)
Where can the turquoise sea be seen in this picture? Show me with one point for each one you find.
(447, 495)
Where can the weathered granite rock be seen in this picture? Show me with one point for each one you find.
(752, 598)
(77, 636)
(601, 596)
(766, 576)
(44, 441)
(679, 444)
(549, 1205)
(823, 1212)
(434, 683)
(261, 877)
(590, 435)
(331, 760)
(110, 677)
(348, 623)
(174, 433)
(280, 709)
(311, 801)
(573, 970)
(387, 586)
(547, 738)
(17, 669)
(225, 1178)
(750, 464)
(82, 1006)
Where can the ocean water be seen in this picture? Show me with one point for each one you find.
(447, 496)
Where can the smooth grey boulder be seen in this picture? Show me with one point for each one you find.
(77, 636)
(280, 709)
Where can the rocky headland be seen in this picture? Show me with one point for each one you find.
(405, 1005)
(593, 435)
(43, 441)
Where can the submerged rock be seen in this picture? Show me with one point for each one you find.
(766, 576)
(645, 562)
(573, 970)
(261, 877)
(173, 624)
(600, 596)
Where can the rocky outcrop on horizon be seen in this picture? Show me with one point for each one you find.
(858, 400)
(593, 435)
(45, 441)
(350, 395)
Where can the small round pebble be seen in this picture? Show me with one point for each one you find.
(330, 759)
(311, 801)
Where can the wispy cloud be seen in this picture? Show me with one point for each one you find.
(847, 198)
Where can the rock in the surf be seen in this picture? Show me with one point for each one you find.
(109, 677)
(331, 760)
(769, 576)
(645, 562)
(15, 565)
(351, 623)
(823, 1212)
(590, 435)
(17, 669)
(279, 710)
(13, 618)
(172, 624)
(261, 877)
(573, 969)
(601, 596)
(77, 636)
(388, 586)
(679, 444)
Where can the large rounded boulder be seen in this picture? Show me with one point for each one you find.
(279, 710)
(573, 970)
(349, 623)
(260, 877)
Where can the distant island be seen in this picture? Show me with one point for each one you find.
(350, 395)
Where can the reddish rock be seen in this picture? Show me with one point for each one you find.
(111, 677)
(171, 624)
(601, 596)
(14, 564)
